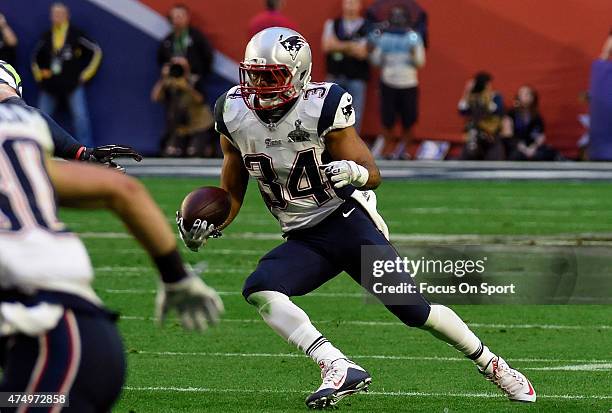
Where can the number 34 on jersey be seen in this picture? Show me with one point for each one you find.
(285, 156)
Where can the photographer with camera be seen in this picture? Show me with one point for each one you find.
(188, 120)
(189, 43)
(483, 108)
(185, 56)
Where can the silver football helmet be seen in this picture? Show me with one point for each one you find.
(276, 68)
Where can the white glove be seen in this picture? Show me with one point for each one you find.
(198, 234)
(345, 173)
(197, 304)
(32, 321)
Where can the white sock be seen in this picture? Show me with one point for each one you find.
(293, 324)
(444, 324)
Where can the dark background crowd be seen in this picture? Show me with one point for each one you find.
(388, 38)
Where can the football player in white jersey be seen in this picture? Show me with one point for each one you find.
(316, 176)
(55, 334)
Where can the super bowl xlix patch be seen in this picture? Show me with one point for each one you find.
(298, 134)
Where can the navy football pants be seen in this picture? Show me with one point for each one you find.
(311, 257)
(82, 356)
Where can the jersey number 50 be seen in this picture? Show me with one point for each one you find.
(304, 167)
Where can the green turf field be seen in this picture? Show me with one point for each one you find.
(243, 366)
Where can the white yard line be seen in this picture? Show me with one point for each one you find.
(544, 326)
(363, 296)
(396, 323)
(139, 271)
(578, 367)
(403, 237)
(371, 393)
(220, 251)
(372, 356)
(230, 293)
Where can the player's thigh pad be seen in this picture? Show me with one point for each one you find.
(293, 268)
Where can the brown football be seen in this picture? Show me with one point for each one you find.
(208, 203)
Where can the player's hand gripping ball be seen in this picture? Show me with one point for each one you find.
(202, 212)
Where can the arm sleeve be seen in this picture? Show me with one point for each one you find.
(65, 145)
(37, 63)
(94, 62)
(220, 125)
(337, 111)
(419, 53)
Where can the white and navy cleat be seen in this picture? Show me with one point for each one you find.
(512, 382)
(341, 378)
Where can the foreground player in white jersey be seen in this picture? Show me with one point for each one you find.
(316, 175)
(55, 334)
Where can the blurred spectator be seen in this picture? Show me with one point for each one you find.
(64, 60)
(345, 44)
(188, 120)
(399, 51)
(484, 108)
(271, 17)
(188, 44)
(606, 51)
(8, 42)
(378, 12)
(524, 127)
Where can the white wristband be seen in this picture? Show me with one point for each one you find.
(361, 176)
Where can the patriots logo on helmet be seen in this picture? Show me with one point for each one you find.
(293, 45)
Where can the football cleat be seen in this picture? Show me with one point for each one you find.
(341, 378)
(512, 382)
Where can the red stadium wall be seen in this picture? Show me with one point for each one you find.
(549, 44)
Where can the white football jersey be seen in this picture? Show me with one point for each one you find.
(285, 156)
(36, 251)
